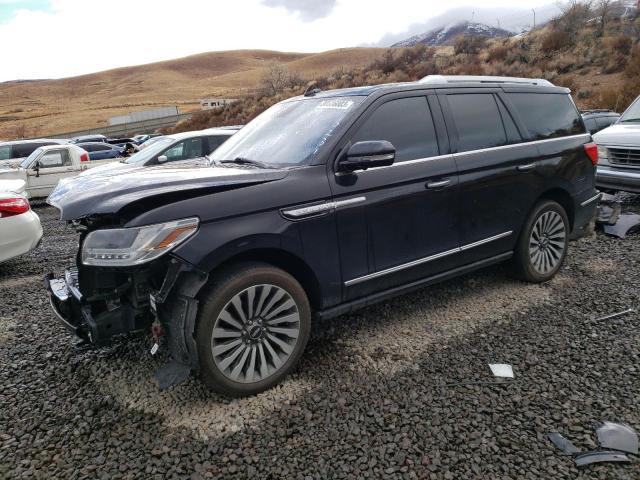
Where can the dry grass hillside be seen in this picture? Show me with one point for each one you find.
(599, 60)
(41, 107)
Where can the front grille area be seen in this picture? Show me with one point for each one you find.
(625, 157)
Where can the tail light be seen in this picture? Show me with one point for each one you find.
(13, 206)
(592, 152)
(84, 157)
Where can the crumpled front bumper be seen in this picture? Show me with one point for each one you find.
(66, 302)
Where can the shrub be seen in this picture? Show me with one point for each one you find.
(616, 63)
(621, 44)
(468, 44)
(555, 40)
(498, 53)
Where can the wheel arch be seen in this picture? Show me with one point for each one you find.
(284, 260)
(563, 197)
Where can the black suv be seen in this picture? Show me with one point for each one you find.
(599, 119)
(325, 203)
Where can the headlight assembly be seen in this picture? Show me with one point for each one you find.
(122, 247)
(603, 153)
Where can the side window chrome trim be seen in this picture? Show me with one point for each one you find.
(469, 152)
(299, 213)
(430, 258)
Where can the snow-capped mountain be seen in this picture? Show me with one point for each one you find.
(446, 35)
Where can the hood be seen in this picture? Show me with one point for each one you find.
(7, 173)
(13, 163)
(13, 186)
(110, 168)
(109, 192)
(624, 134)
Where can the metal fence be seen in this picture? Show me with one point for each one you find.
(127, 129)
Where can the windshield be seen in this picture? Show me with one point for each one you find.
(289, 133)
(632, 114)
(143, 156)
(27, 161)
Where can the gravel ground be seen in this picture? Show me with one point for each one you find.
(371, 398)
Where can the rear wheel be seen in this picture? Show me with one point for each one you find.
(543, 243)
(252, 329)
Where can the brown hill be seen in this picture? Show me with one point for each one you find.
(44, 107)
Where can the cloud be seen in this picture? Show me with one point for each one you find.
(308, 10)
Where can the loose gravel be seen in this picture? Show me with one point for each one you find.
(373, 396)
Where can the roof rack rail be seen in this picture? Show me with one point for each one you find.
(484, 79)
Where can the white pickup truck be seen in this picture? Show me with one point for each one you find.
(42, 170)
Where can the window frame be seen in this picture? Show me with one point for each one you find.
(368, 108)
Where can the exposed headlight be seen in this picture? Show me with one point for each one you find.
(121, 247)
(603, 153)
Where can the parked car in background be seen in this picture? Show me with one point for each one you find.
(172, 148)
(12, 153)
(150, 141)
(140, 139)
(596, 120)
(102, 151)
(20, 228)
(42, 170)
(322, 204)
(619, 152)
(89, 138)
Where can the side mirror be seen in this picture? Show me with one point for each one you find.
(36, 168)
(369, 154)
(162, 159)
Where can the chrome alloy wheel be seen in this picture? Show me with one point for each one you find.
(547, 242)
(255, 333)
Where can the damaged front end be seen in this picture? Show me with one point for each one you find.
(126, 280)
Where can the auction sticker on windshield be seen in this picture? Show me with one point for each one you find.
(336, 103)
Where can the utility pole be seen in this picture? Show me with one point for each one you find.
(534, 18)
(473, 14)
(498, 20)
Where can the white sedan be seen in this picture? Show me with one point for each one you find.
(20, 229)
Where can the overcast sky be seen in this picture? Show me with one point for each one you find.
(61, 38)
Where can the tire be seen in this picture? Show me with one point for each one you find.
(543, 243)
(244, 346)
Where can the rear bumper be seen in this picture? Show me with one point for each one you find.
(20, 234)
(611, 178)
(585, 211)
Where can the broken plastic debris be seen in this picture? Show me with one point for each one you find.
(617, 436)
(172, 374)
(501, 370)
(597, 456)
(627, 223)
(563, 443)
(616, 315)
(608, 214)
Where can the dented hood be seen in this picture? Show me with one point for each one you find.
(109, 192)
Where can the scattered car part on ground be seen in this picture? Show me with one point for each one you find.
(617, 436)
(616, 315)
(298, 211)
(626, 224)
(608, 213)
(47, 165)
(619, 152)
(600, 456)
(20, 228)
(501, 370)
(563, 443)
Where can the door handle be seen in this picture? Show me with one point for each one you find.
(439, 184)
(526, 168)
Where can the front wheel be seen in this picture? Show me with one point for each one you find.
(252, 329)
(543, 243)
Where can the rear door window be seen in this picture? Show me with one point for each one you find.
(547, 115)
(22, 150)
(477, 120)
(407, 124)
(6, 152)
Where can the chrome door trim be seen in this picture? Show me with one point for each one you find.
(469, 152)
(298, 213)
(430, 258)
(592, 199)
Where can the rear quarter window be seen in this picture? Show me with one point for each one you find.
(547, 115)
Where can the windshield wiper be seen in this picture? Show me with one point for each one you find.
(246, 161)
(630, 120)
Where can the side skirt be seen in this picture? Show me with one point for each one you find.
(409, 287)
